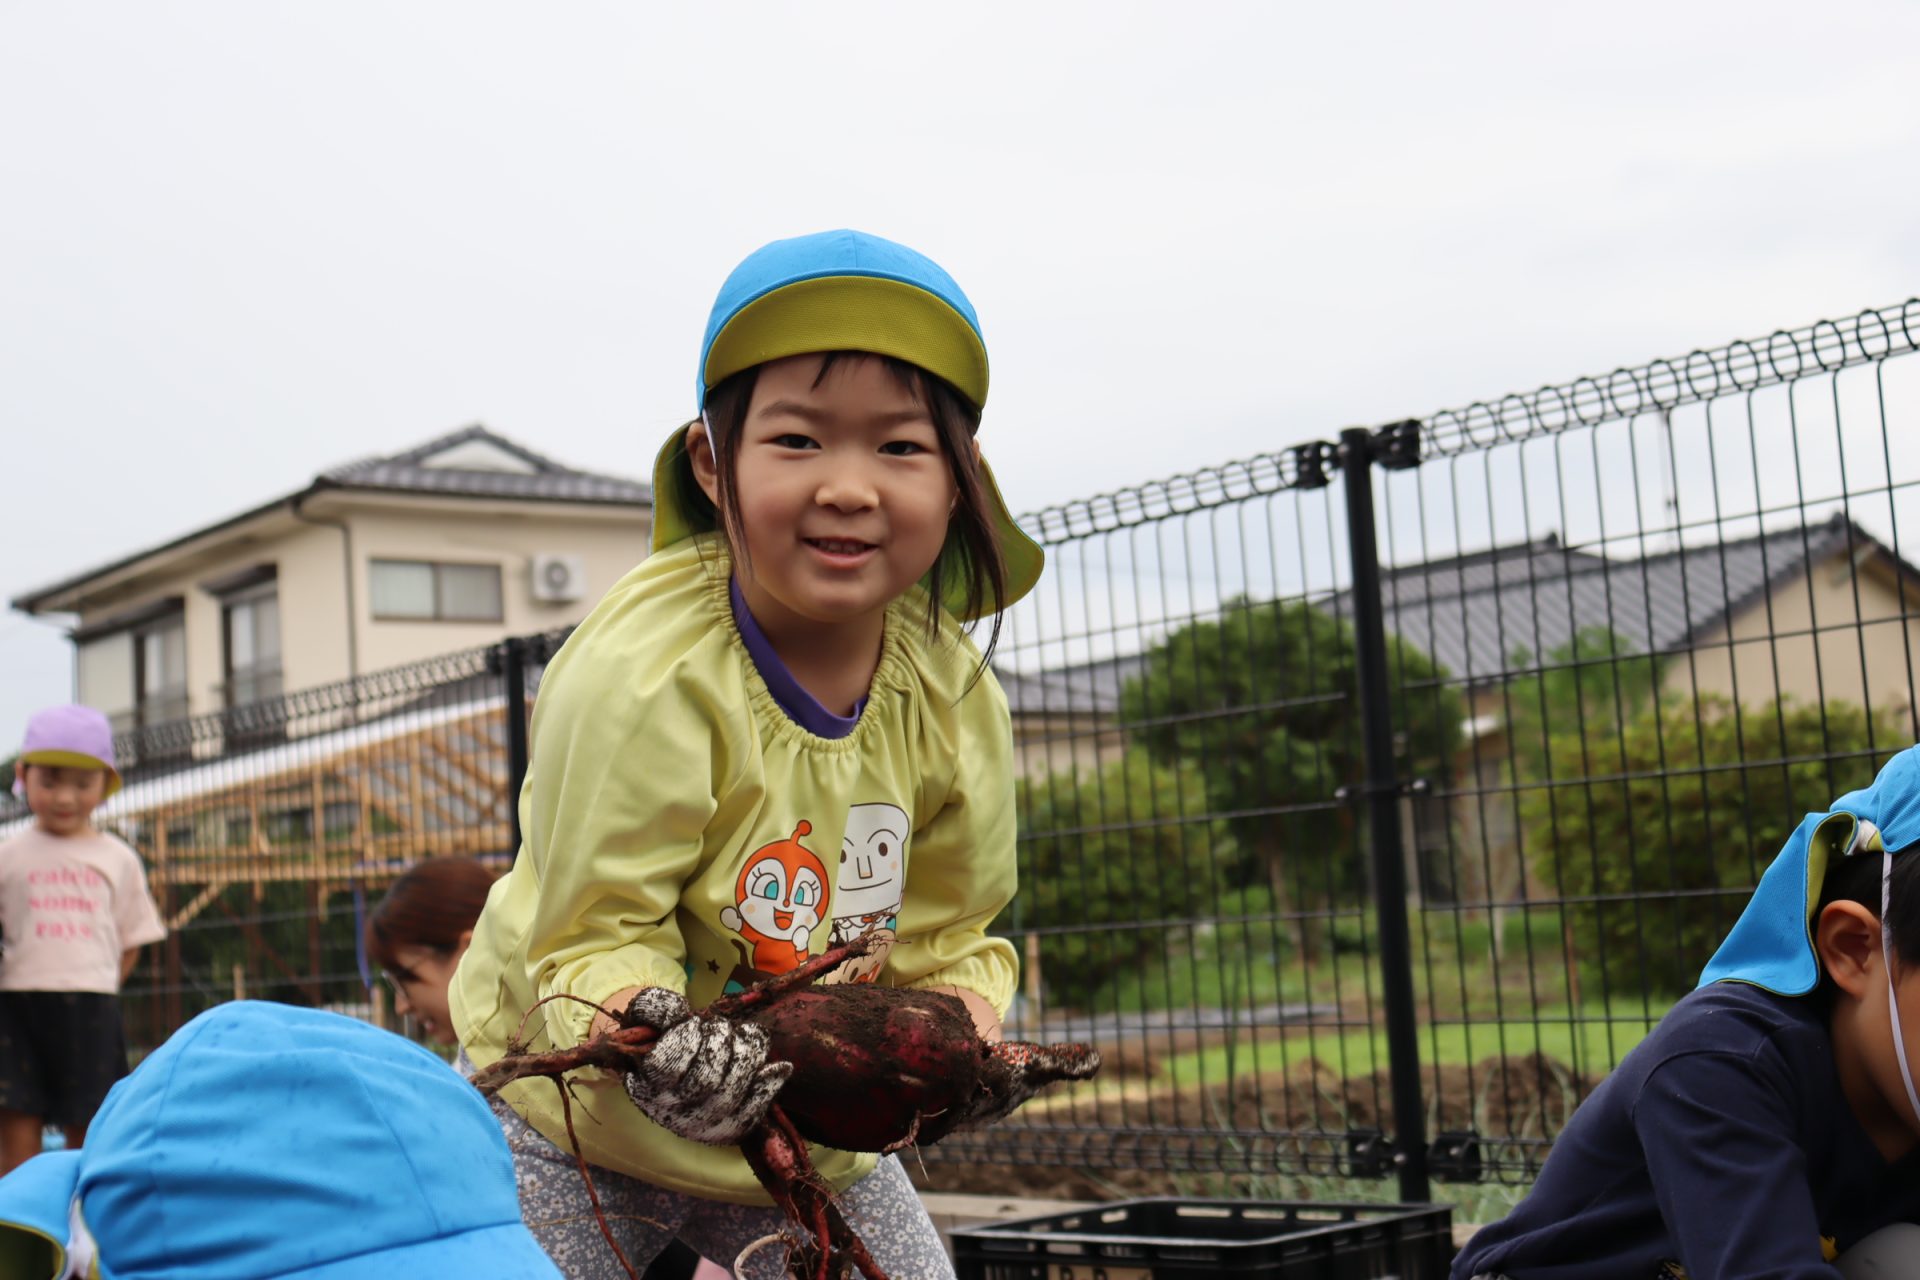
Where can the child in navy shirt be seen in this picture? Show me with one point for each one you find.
(1769, 1126)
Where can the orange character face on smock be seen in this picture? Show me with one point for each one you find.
(781, 898)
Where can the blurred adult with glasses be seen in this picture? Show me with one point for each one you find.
(420, 930)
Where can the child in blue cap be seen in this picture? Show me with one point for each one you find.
(1769, 1126)
(774, 734)
(74, 913)
(264, 1141)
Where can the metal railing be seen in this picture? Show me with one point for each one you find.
(268, 828)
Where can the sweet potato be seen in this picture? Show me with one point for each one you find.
(869, 1063)
(875, 1069)
(879, 1068)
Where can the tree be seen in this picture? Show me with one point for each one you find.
(1580, 694)
(1264, 703)
(1658, 842)
(1576, 698)
(1105, 852)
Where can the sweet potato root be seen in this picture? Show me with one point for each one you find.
(879, 1068)
(875, 1069)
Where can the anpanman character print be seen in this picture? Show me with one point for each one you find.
(783, 895)
(778, 901)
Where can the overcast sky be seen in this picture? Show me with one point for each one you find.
(242, 242)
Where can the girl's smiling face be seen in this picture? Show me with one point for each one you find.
(844, 496)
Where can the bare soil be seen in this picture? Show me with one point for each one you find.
(1302, 1116)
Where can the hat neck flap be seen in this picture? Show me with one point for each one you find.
(1771, 944)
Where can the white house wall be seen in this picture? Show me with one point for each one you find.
(609, 542)
(104, 670)
(309, 567)
(1810, 641)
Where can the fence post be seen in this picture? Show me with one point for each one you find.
(513, 663)
(1394, 447)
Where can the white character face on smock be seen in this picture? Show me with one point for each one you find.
(873, 861)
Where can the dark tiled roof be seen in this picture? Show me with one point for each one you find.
(405, 472)
(1091, 687)
(1472, 613)
(547, 480)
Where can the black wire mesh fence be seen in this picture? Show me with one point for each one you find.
(1382, 792)
(1377, 794)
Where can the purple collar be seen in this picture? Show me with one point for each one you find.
(801, 707)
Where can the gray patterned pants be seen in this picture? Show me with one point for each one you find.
(883, 1207)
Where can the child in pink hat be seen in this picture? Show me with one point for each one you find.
(74, 913)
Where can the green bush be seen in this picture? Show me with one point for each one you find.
(1670, 820)
(1110, 854)
(1576, 697)
(1265, 699)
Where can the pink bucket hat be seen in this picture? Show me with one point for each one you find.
(70, 737)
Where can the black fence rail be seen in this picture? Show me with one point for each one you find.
(1377, 794)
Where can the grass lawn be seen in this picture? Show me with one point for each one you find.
(1470, 1008)
(1592, 1041)
(1251, 962)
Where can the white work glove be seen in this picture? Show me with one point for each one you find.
(705, 1079)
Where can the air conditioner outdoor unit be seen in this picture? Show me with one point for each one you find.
(559, 579)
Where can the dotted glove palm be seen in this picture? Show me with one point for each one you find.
(705, 1079)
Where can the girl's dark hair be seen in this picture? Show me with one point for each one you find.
(430, 906)
(972, 550)
(1857, 879)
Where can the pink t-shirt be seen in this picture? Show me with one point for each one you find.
(69, 905)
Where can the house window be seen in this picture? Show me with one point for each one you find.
(160, 670)
(425, 591)
(252, 626)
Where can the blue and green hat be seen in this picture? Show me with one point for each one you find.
(842, 291)
(1771, 944)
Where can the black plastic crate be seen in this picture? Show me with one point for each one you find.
(1168, 1238)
